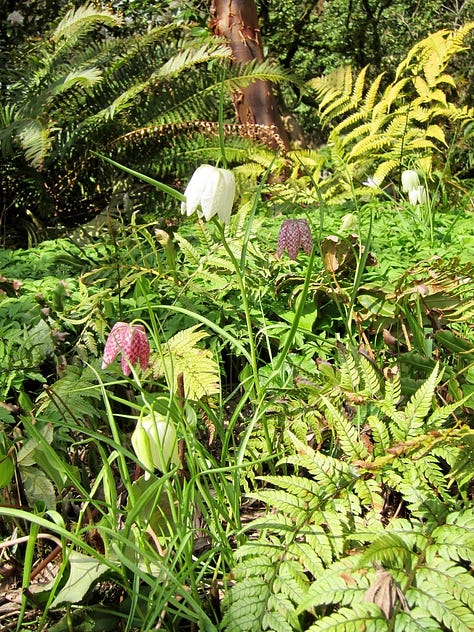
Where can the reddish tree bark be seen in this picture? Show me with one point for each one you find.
(237, 22)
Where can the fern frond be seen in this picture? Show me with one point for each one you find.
(352, 122)
(359, 84)
(345, 432)
(455, 539)
(73, 398)
(335, 109)
(191, 253)
(283, 501)
(350, 378)
(421, 499)
(86, 78)
(449, 612)
(36, 141)
(370, 377)
(371, 144)
(380, 435)
(265, 595)
(379, 133)
(371, 95)
(240, 76)
(77, 23)
(338, 583)
(331, 474)
(384, 168)
(245, 605)
(417, 408)
(190, 57)
(371, 497)
(390, 550)
(454, 578)
(181, 355)
(392, 92)
(367, 617)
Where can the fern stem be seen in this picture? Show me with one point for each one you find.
(361, 261)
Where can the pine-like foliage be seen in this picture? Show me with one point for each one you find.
(144, 100)
(372, 531)
(374, 132)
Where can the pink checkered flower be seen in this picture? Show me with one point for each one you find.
(294, 234)
(131, 342)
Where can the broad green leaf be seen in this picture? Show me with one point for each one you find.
(38, 487)
(84, 573)
(7, 469)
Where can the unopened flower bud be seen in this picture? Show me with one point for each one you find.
(155, 443)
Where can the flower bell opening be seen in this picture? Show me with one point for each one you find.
(132, 342)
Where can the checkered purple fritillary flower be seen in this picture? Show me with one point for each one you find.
(129, 340)
(294, 234)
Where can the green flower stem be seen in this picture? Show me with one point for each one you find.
(296, 320)
(121, 460)
(248, 320)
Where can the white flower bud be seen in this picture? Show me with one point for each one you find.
(155, 443)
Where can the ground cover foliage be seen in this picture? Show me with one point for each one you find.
(319, 407)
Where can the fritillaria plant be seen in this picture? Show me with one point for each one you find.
(155, 443)
(411, 185)
(210, 191)
(294, 234)
(129, 340)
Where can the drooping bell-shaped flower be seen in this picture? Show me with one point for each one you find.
(410, 180)
(411, 185)
(129, 340)
(210, 191)
(155, 443)
(294, 234)
(417, 196)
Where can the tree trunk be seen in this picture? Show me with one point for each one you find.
(237, 22)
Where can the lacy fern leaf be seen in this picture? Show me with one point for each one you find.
(373, 132)
(333, 519)
(181, 355)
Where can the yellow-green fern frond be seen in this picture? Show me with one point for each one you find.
(391, 93)
(384, 169)
(370, 145)
(378, 132)
(359, 84)
(432, 54)
(181, 355)
(371, 95)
